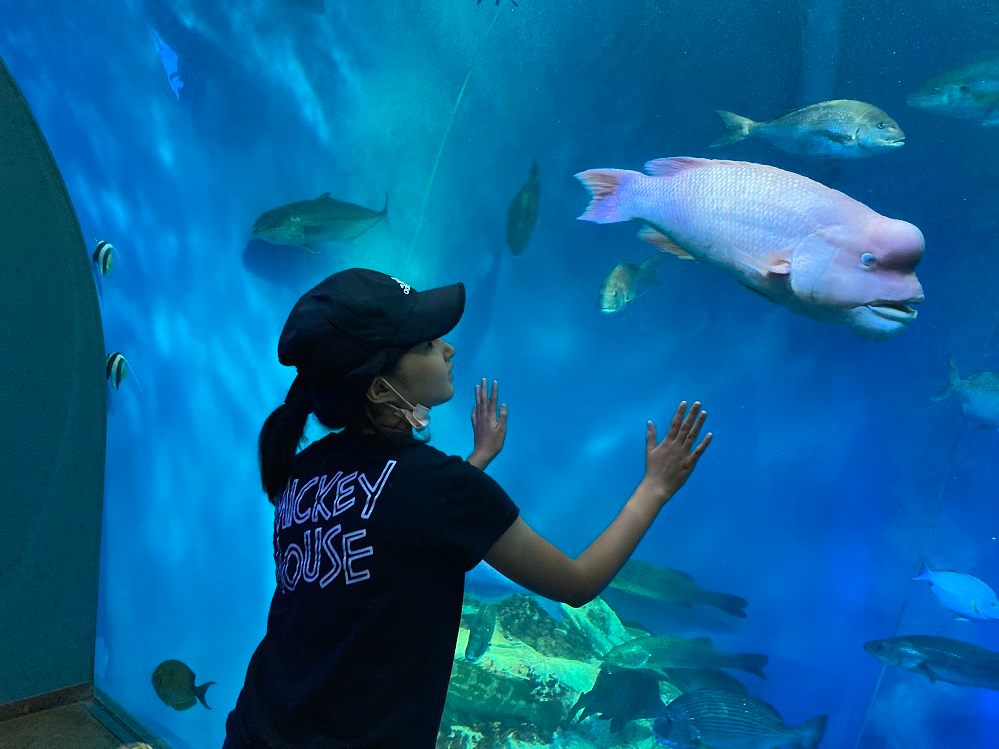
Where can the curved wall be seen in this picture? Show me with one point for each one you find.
(52, 419)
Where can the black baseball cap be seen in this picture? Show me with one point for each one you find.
(343, 322)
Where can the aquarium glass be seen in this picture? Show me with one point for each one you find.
(834, 475)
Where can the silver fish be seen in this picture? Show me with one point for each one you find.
(673, 586)
(970, 92)
(964, 594)
(730, 720)
(321, 220)
(675, 652)
(979, 395)
(842, 128)
(954, 661)
(621, 285)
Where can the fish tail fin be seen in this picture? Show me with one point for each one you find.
(738, 128)
(924, 575)
(955, 378)
(384, 212)
(811, 731)
(752, 663)
(604, 186)
(199, 692)
(730, 604)
(647, 270)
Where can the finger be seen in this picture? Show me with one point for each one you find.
(650, 436)
(674, 426)
(696, 428)
(699, 450)
(494, 396)
(688, 421)
(502, 416)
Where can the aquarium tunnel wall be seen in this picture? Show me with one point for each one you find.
(833, 476)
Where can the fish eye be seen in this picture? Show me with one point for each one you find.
(964, 88)
(867, 259)
(881, 126)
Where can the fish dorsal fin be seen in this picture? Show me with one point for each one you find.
(658, 239)
(676, 164)
(324, 196)
(685, 575)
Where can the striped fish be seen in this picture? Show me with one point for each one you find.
(730, 720)
(104, 256)
(117, 368)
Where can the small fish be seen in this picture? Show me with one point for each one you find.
(324, 219)
(174, 684)
(673, 586)
(842, 128)
(481, 632)
(730, 720)
(940, 658)
(979, 395)
(169, 59)
(965, 595)
(619, 697)
(675, 652)
(522, 216)
(798, 243)
(620, 288)
(117, 368)
(970, 92)
(104, 256)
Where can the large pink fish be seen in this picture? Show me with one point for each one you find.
(807, 247)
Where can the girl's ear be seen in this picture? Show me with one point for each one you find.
(378, 391)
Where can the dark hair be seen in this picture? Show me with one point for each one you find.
(342, 405)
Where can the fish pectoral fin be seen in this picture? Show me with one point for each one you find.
(925, 670)
(775, 265)
(659, 240)
(309, 249)
(836, 137)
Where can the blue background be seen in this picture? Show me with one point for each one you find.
(832, 476)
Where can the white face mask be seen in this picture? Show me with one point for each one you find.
(419, 415)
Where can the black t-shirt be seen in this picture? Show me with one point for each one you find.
(371, 544)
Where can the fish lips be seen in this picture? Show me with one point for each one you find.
(882, 320)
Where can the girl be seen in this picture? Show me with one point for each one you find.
(374, 529)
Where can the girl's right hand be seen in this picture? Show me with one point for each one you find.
(669, 463)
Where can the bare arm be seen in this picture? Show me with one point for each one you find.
(529, 560)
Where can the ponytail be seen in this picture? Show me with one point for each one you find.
(280, 437)
(339, 405)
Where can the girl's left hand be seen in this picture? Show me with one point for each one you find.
(488, 425)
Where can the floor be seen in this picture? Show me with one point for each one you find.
(71, 726)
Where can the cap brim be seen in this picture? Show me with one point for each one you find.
(435, 313)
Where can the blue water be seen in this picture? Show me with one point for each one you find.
(832, 477)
